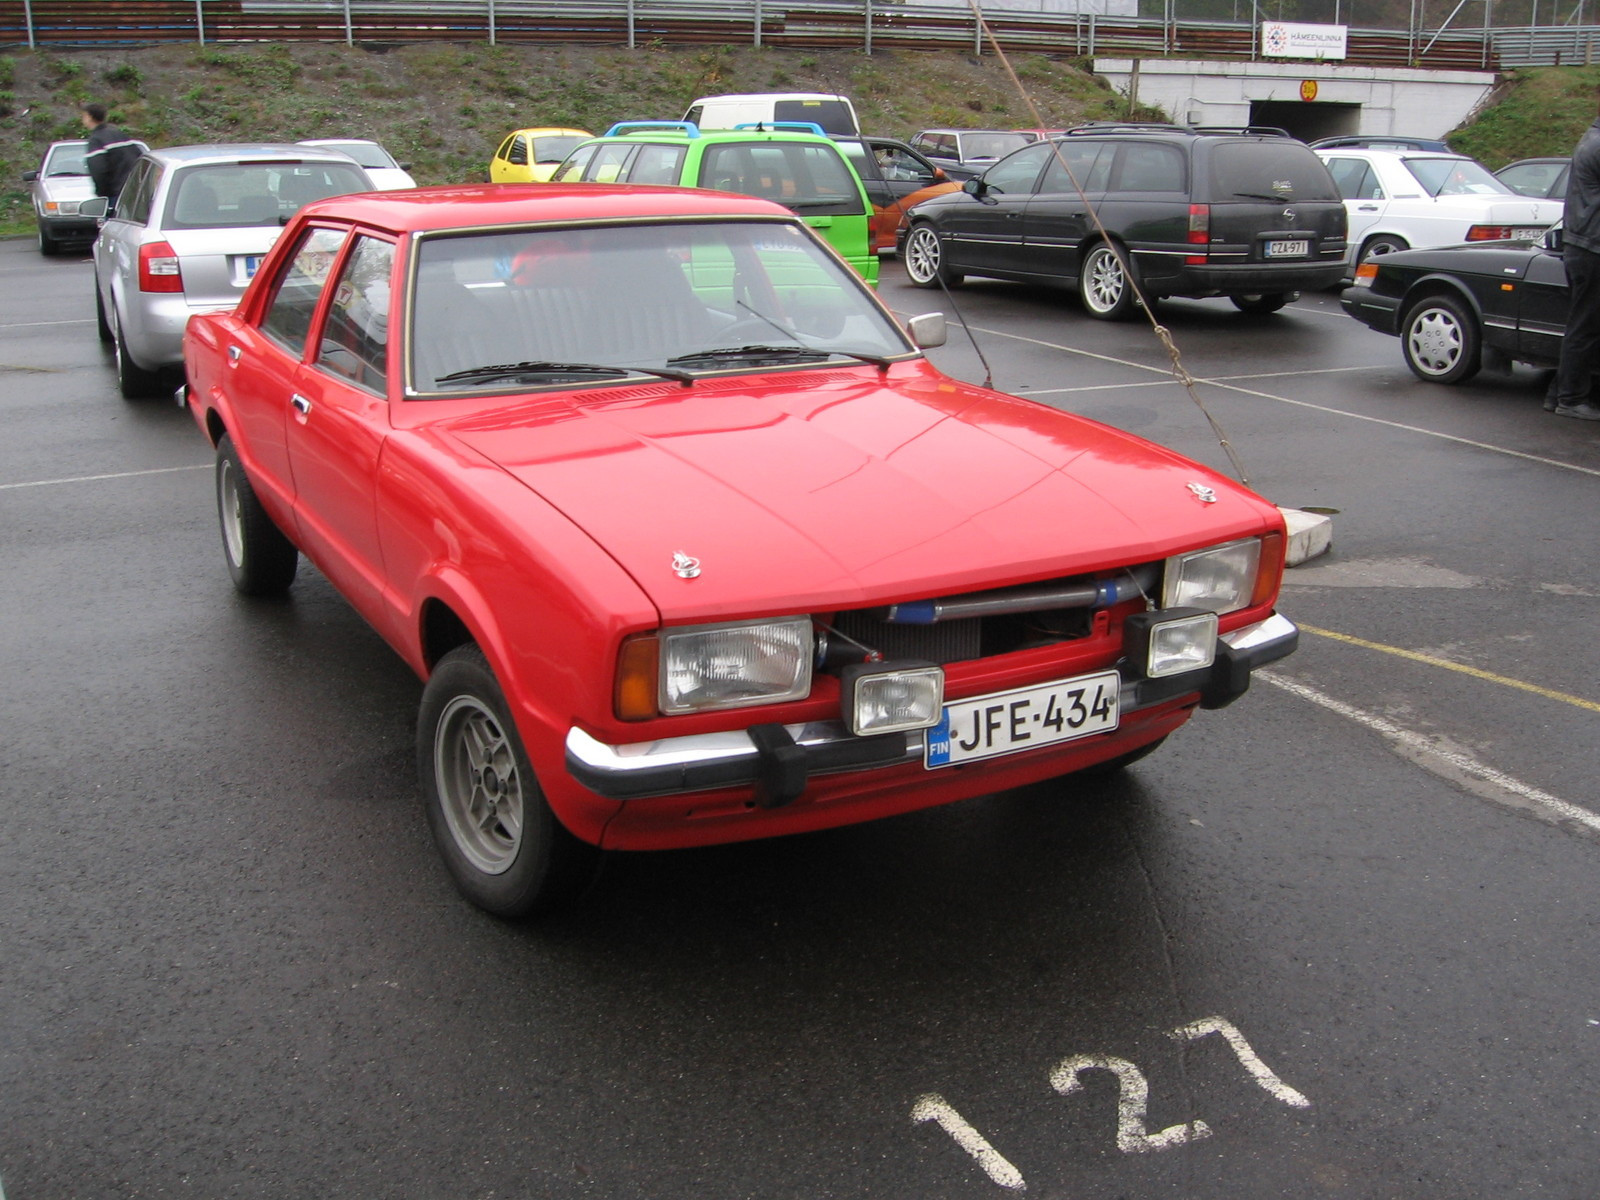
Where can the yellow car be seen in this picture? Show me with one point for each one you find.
(532, 155)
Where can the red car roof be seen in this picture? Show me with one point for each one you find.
(453, 207)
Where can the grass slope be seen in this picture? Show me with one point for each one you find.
(444, 107)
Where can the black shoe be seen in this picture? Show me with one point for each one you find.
(1584, 411)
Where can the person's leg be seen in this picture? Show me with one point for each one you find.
(1580, 347)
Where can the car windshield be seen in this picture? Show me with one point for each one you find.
(1456, 177)
(991, 145)
(67, 160)
(368, 154)
(552, 148)
(247, 195)
(551, 307)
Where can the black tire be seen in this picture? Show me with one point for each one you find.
(261, 560)
(1383, 243)
(503, 846)
(1261, 304)
(133, 381)
(1441, 341)
(103, 326)
(1105, 284)
(48, 246)
(924, 258)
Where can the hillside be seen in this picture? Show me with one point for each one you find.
(444, 107)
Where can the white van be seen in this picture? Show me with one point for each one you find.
(834, 113)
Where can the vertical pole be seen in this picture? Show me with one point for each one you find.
(868, 47)
(630, 25)
(977, 29)
(27, 15)
(493, 32)
(200, 21)
(758, 24)
(349, 29)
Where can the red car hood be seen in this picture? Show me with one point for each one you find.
(835, 488)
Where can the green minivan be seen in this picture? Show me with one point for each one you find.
(792, 163)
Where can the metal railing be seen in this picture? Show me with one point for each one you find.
(853, 24)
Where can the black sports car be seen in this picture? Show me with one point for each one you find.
(1456, 307)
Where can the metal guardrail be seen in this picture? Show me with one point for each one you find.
(853, 24)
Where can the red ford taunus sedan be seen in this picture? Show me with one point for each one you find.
(687, 539)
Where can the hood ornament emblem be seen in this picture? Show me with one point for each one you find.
(1203, 494)
(686, 566)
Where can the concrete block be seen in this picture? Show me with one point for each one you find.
(1310, 534)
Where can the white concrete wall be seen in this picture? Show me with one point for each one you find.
(1392, 100)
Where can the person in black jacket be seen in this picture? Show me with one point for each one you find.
(1580, 254)
(110, 153)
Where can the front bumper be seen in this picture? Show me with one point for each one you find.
(1372, 309)
(776, 759)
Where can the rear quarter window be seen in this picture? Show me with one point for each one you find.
(1287, 170)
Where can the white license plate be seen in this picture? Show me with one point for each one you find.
(1298, 248)
(251, 262)
(1527, 233)
(1006, 722)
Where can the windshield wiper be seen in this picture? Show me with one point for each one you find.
(790, 353)
(494, 371)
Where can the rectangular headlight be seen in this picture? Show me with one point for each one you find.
(735, 664)
(1220, 579)
(1171, 641)
(890, 697)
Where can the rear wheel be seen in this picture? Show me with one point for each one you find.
(1267, 302)
(1384, 243)
(1441, 341)
(133, 381)
(924, 258)
(261, 561)
(504, 848)
(1106, 285)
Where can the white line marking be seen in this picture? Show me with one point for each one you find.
(1449, 764)
(1259, 1071)
(43, 325)
(934, 1107)
(1132, 1101)
(6, 487)
(1338, 412)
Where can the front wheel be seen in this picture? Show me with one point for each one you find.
(503, 846)
(924, 258)
(261, 561)
(1441, 340)
(1262, 303)
(1106, 284)
(48, 246)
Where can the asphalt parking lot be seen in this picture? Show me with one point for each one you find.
(1335, 940)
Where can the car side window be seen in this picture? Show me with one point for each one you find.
(1145, 167)
(355, 336)
(610, 164)
(657, 164)
(572, 170)
(134, 203)
(1075, 165)
(518, 155)
(1355, 179)
(901, 166)
(288, 319)
(1018, 175)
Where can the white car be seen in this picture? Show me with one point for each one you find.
(1416, 199)
(387, 174)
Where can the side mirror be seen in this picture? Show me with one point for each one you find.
(927, 330)
(1553, 239)
(973, 186)
(99, 206)
(939, 176)
(29, 176)
(405, 166)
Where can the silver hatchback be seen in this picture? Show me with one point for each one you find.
(190, 228)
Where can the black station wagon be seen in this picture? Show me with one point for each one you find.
(1249, 214)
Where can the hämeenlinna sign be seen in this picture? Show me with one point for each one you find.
(1285, 39)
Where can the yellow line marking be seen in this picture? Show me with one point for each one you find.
(1433, 661)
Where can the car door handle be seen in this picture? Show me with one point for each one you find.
(1366, 208)
(301, 404)
(235, 353)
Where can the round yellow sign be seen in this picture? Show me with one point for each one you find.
(1308, 89)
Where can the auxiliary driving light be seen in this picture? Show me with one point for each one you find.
(1171, 641)
(890, 697)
